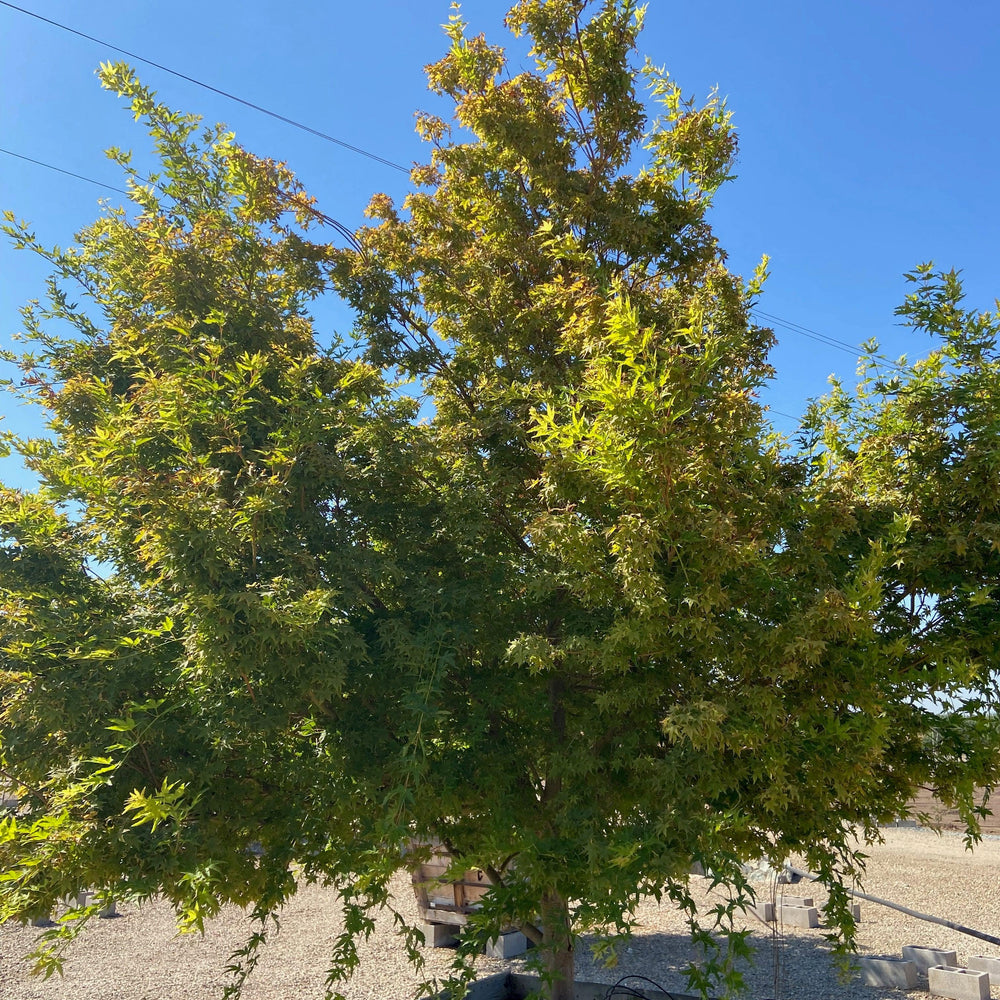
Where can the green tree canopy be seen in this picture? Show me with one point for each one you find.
(585, 623)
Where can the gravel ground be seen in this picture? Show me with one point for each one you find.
(138, 955)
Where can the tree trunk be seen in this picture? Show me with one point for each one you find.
(557, 946)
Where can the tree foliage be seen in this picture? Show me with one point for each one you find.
(587, 622)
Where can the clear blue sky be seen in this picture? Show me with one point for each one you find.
(868, 133)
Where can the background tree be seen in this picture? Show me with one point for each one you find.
(583, 624)
(182, 598)
(916, 446)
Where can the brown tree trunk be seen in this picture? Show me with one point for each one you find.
(557, 947)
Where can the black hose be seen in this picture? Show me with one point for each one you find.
(961, 928)
(620, 989)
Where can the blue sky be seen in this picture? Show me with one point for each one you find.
(868, 134)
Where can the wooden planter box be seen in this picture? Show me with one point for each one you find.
(444, 901)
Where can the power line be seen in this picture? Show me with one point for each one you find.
(841, 345)
(803, 331)
(214, 90)
(68, 173)
(322, 216)
(781, 413)
(344, 231)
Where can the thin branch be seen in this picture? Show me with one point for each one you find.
(23, 784)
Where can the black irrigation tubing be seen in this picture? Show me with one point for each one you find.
(620, 989)
(961, 928)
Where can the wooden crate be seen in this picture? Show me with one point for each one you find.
(441, 900)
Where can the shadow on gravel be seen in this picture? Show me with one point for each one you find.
(132, 961)
(786, 967)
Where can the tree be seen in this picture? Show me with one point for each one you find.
(586, 623)
(916, 446)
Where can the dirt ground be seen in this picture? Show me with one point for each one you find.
(947, 819)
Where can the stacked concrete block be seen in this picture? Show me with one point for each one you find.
(439, 935)
(958, 983)
(810, 901)
(508, 945)
(924, 958)
(796, 901)
(86, 897)
(986, 963)
(799, 916)
(763, 910)
(888, 973)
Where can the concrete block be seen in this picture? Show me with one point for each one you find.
(764, 910)
(958, 983)
(888, 973)
(799, 916)
(796, 901)
(437, 935)
(986, 963)
(87, 897)
(508, 945)
(43, 921)
(856, 912)
(924, 958)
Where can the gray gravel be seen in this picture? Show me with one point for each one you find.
(139, 956)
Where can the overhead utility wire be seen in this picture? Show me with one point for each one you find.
(794, 327)
(214, 90)
(352, 239)
(68, 173)
(781, 413)
(841, 345)
(822, 338)
(316, 213)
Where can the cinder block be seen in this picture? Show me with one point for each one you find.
(508, 945)
(435, 935)
(856, 912)
(986, 963)
(924, 958)
(86, 897)
(796, 901)
(43, 921)
(958, 983)
(799, 916)
(764, 910)
(889, 973)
